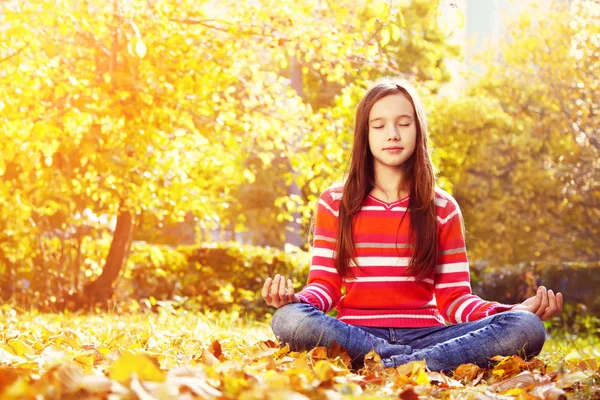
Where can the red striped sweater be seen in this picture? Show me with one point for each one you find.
(381, 294)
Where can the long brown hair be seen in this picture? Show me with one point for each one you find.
(361, 180)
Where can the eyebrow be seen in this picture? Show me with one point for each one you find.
(398, 117)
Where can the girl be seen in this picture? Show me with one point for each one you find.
(396, 243)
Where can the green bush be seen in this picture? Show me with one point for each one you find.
(578, 282)
(227, 275)
(210, 276)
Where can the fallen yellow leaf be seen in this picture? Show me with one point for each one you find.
(21, 348)
(86, 359)
(323, 370)
(141, 365)
(421, 377)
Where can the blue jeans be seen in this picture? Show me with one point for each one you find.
(444, 348)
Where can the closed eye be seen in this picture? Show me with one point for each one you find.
(383, 126)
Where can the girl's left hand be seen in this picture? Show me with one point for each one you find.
(545, 304)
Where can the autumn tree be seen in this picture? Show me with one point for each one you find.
(521, 148)
(127, 109)
(151, 113)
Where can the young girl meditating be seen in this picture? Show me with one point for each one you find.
(396, 243)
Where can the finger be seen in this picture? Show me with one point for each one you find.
(536, 301)
(282, 295)
(542, 310)
(275, 289)
(267, 285)
(552, 306)
(275, 285)
(290, 288)
(559, 301)
(265, 290)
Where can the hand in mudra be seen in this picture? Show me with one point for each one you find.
(276, 293)
(545, 304)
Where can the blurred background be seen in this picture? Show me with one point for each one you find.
(172, 151)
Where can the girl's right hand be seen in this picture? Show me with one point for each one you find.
(276, 294)
(545, 304)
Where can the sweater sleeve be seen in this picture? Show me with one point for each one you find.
(452, 278)
(324, 282)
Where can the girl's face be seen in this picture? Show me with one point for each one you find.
(392, 130)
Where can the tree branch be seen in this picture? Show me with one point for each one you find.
(203, 22)
(15, 53)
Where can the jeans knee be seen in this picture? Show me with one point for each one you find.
(533, 329)
(287, 319)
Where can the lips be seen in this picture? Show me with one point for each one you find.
(394, 148)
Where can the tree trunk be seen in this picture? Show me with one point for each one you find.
(101, 289)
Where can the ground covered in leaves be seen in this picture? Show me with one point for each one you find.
(182, 355)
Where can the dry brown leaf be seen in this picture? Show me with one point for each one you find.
(571, 379)
(374, 378)
(269, 344)
(508, 366)
(466, 372)
(535, 364)
(548, 391)
(372, 362)
(444, 381)
(299, 382)
(479, 377)
(409, 394)
(318, 353)
(373, 370)
(215, 349)
(582, 365)
(401, 381)
(271, 364)
(208, 358)
(336, 351)
(524, 380)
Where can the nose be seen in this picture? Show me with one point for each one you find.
(393, 133)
